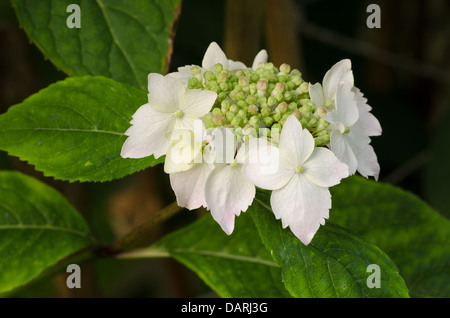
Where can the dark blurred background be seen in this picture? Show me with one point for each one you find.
(403, 68)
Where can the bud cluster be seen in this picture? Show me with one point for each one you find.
(258, 101)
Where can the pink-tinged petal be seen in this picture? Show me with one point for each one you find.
(214, 55)
(227, 193)
(306, 212)
(316, 94)
(340, 72)
(264, 166)
(197, 102)
(341, 147)
(324, 169)
(164, 93)
(261, 57)
(296, 144)
(346, 108)
(367, 161)
(189, 186)
(148, 134)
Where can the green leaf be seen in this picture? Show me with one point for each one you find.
(38, 227)
(73, 129)
(121, 39)
(233, 266)
(414, 236)
(334, 264)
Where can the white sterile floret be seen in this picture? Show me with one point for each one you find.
(351, 125)
(218, 183)
(170, 106)
(215, 55)
(300, 182)
(324, 95)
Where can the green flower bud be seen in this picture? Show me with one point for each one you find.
(222, 77)
(266, 111)
(253, 109)
(219, 120)
(285, 68)
(225, 105)
(193, 82)
(322, 140)
(303, 88)
(262, 85)
(229, 115)
(217, 112)
(268, 66)
(250, 100)
(271, 101)
(242, 104)
(242, 114)
(223, 87)
(296, 113)
(268, 121)
(218, 68)
(292, 106)
(282, 107)
(254, 77)
(208, 119)
(254, 120)
(243, 81)
(196, 70)
(235, 122)
(276, 117)
(209, 76)
(234, 108)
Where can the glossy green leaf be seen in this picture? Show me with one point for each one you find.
(334, 264)
(121, 39)
(233, 266)
(73, 129)
(414, 236)
(38, 227)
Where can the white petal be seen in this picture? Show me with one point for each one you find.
(261, 57)
(340, 72)
(324, 169)
(369, 124)
(367, 161)
(264, 166)
(182, 152)
(214, 55)
(306, 212)
(296, 143)
(343, 150)
(316, 94)
(189, 186)
(227, 193)
(148, 134)
(183, 74)
(346, 108)
(197, 102)
(164, 92)
(235, 65)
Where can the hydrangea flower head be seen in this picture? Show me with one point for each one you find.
(227, 129)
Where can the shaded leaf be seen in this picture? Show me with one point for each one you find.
(121, 39)
(38, 227)
(334, 264)
(73, 129)
(414, 236)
